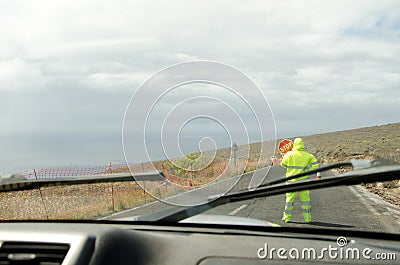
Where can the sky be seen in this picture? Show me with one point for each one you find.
(69, 69)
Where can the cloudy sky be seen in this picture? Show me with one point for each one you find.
(68, 69)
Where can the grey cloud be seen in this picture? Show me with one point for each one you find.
(320, 71)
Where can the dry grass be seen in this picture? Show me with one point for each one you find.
(93, 200)
(364, 143)
(370, 142)
(71, 202)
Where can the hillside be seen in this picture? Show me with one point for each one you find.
(364, 143)
(87, 201)
(369, 142)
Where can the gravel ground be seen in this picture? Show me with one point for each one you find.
(389, 194)
(89, 201)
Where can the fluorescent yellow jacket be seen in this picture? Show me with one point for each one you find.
(298, 160)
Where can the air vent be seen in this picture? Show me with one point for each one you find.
(31, 253)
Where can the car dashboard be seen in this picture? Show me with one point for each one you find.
(73, 243)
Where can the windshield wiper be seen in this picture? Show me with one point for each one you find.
(20, 183)
(364, 171)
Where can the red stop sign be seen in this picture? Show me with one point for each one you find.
(285, 146)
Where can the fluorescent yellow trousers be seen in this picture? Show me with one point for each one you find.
(305, 205)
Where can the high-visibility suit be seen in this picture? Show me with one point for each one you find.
(295, 162)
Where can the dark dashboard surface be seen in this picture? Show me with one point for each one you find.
(117, 243)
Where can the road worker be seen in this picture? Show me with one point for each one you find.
(297, 161)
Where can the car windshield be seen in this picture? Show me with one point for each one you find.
(136, 111)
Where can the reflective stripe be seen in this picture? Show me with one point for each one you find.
(305, 203)
(289, 211)
(296, 167)
(284, 165)
(311, 164)
(306, 210)
(289, 203)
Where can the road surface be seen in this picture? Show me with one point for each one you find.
(337, 207)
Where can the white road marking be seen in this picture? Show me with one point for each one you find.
(234, 212)
(126, 211)
(369, 199)
(364, 201)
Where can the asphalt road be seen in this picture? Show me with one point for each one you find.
(338, 207)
